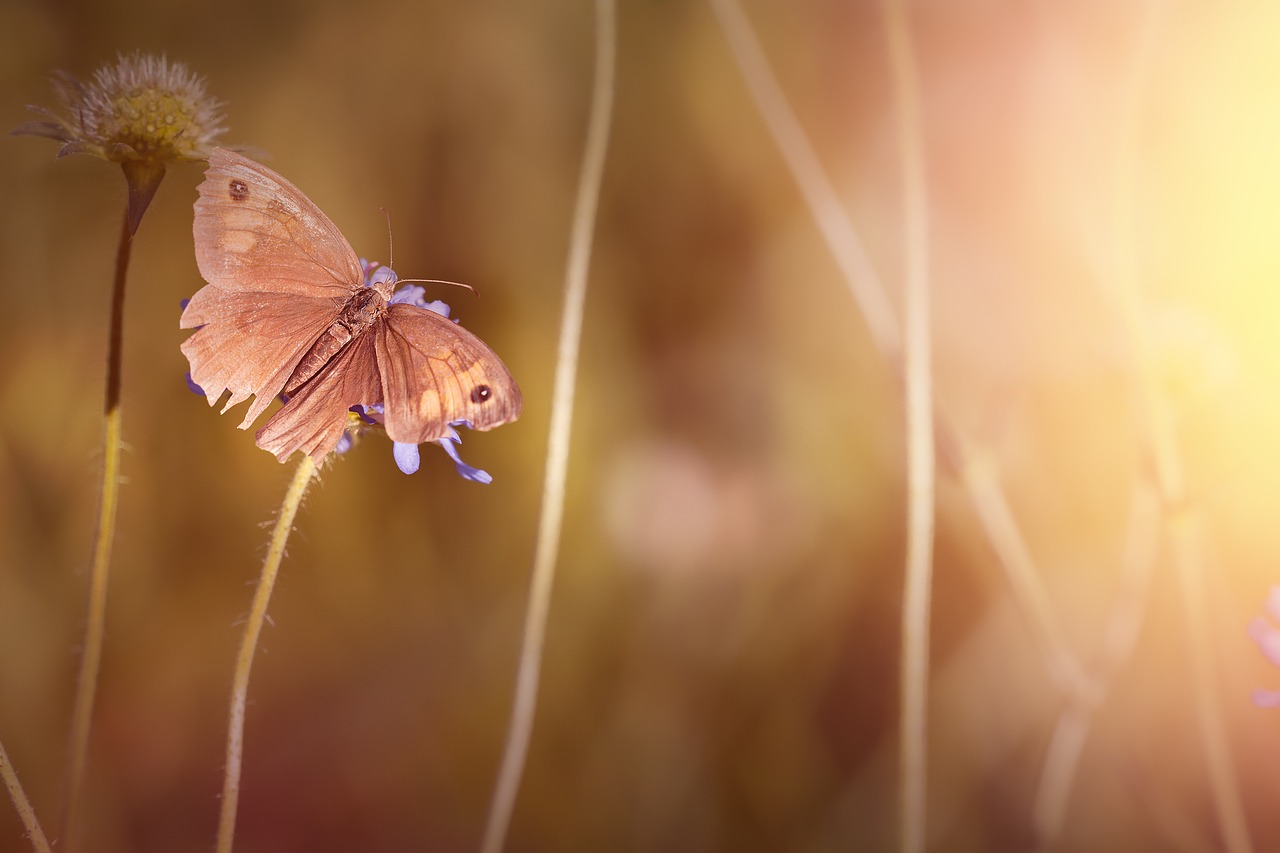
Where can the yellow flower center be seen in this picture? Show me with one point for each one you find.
(153, 122)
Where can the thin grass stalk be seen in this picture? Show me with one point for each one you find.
(1182, 519)
(870, 296)
(1187, 544)
(103, 538)
(551, 518)
(22, 804)
(996, 518)
(1071, 733)
(249, 645)
(914, 674)
(824, 203)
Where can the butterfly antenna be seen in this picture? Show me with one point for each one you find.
(391, 263)
(391, 246)
(438, 281)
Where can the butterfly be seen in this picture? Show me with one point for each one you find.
(287, 309)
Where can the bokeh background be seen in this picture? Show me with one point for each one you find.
(721, 670)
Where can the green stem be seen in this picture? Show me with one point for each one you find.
(249, 644)
(22, 804)
(95, 622)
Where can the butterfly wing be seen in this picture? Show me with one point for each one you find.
(257, 232)
(249, 343)
(313, 419)
(435, 372)
(278, 273)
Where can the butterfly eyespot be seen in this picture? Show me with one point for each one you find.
(481, 393)
(239, 189)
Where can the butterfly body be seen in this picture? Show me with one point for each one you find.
(287, 310)
(357, 316)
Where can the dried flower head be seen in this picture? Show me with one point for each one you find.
(141, 108)
(142, 112)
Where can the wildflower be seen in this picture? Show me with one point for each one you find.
(1264, 632)
(141, 112)
(407, 459)
(406, 456)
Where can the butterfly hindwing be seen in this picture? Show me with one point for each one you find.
(435, 372)
(313, 419)
(249, 343)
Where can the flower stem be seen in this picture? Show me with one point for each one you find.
(22, 804)
(870, 296)
(1070, 734)
(825, 205)
(914, 676)
(95, 622)
(553, 489)
(1181, 514)
(249, 644)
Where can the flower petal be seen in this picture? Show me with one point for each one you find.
(416, 295)
(439, 306)
(47, 129)
(407, 458)
(476, 475)
(379, 275)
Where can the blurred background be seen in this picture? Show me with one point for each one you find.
(721, 669)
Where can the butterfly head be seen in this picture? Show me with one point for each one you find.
(383, 280)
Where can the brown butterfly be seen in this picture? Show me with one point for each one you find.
(287, 309)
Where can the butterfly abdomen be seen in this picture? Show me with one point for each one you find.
(361, 311)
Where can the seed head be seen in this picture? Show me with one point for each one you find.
(142, 112)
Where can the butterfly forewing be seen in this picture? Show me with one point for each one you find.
(250, 342)
(279, 272)
(435, 372)
(255, 231)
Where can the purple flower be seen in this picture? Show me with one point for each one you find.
(345, 443)
(413, 294)
(375, 274)
(408, 458)
(476, 475)
(1264, 632)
